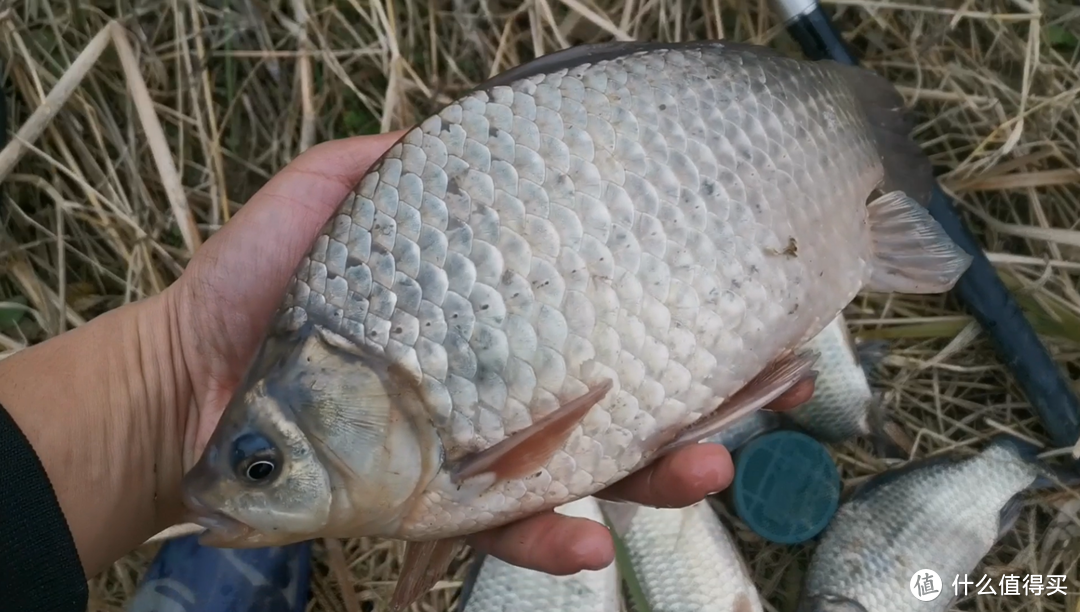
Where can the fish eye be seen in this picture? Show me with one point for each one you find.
(255, 458)
(260, 470)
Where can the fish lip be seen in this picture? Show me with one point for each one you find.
(221, 529)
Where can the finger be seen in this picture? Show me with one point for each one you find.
(677, 480)
(549, 542)
(793, 397)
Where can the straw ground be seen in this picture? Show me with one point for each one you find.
(156, 133)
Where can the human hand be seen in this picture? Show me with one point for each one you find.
(225, 299)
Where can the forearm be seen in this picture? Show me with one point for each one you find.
(98, 404)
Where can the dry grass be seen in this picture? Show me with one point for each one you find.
(151, 145)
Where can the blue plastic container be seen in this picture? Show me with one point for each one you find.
(187, 577)
(786, 486)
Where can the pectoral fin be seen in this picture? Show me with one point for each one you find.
(912, 252)
(774, 381)
(526, 451)
(425, 563)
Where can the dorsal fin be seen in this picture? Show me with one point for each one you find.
(598, 52)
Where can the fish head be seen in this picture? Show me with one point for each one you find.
(319, 441)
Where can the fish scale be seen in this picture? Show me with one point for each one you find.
(597, 282)
(493, 585)
(686, 560)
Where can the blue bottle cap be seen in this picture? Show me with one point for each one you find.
(786, 486)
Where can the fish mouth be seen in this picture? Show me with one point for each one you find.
(222, 530)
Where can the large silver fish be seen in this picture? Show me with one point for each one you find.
(494, 585)
(584, 263)
(942, 514)
(684, 559)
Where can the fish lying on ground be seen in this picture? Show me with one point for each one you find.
(683, 559)
(583, 264)
(493, 585)
(943, 513)
(845, 405)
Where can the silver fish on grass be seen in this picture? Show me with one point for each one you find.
(493, 585)
(844, 405)
(683, 559)
(581, 265)
(943, 513)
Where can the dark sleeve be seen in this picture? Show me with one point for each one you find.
(40, 569)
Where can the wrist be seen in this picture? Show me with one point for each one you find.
(102, 406)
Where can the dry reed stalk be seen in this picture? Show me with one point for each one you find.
(151, 125)
(53, 103)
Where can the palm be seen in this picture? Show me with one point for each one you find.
(233, 285)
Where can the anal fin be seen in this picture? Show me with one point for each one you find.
(912, 252)
(526, 451)
(424, 564)
(776, 379)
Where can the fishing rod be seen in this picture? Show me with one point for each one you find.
(979, 290)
